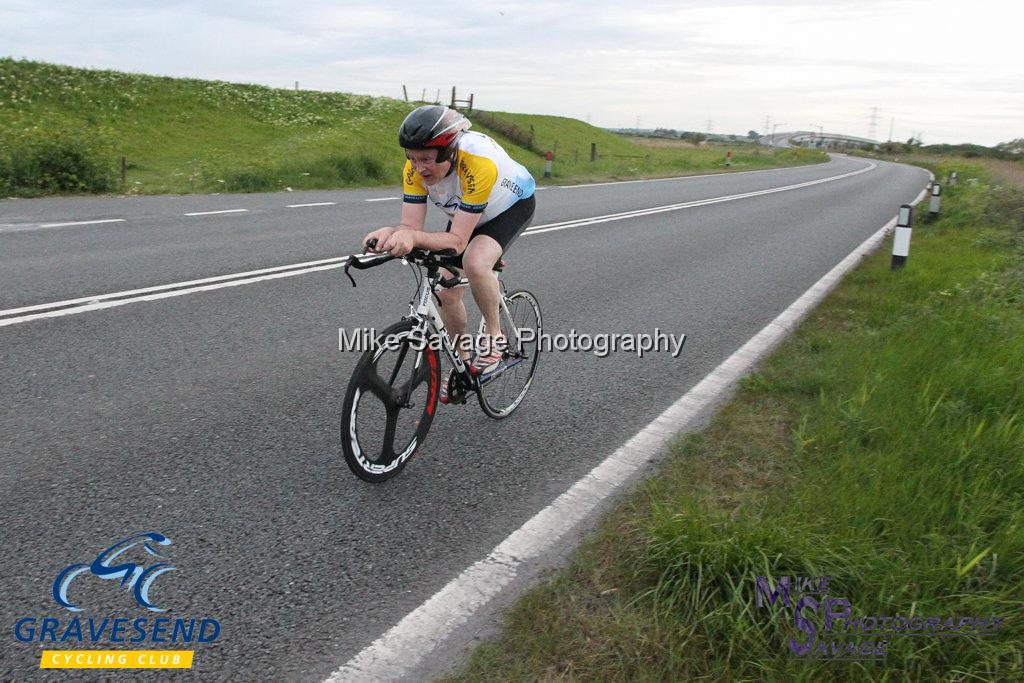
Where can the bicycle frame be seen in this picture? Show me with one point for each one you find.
(427, 316)
(423, 309)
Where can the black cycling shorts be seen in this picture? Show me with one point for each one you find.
(506, 226)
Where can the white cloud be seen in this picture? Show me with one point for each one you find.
(949, 69)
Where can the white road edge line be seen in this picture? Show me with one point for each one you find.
(110, 300)
(382, 199)
(210, 213)
(61, 225)
(405, 645)
(299, 206)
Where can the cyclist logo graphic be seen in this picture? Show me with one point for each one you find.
(132, 575)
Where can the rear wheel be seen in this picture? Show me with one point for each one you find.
(390, 403)
(502, 391)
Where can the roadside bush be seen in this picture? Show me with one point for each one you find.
(6, 187)
(52, 166)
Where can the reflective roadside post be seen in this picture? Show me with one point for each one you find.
(548, 158)
(901, 238)
(952, 178)
(933, 208)
(728, 159)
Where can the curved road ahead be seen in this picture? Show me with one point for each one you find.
(211, 416)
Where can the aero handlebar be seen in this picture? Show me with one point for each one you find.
(429, 259)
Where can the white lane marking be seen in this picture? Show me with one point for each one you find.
(397, 652)
(61, 225)
(210, 213)
(685, 205)
(92, 303)
(183, 287)
(688, 177)
(382, 199)
(299, 206)
(100, 305)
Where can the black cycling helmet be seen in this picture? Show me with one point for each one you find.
(433, 126)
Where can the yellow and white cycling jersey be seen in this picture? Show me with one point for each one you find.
(484, 179)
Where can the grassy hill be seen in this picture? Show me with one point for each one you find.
(65, 129)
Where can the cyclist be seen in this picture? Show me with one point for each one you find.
(489, 201)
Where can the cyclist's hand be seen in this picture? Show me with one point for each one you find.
(400, 243)
(380, 235)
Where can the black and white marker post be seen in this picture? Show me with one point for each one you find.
(952, 179)
(933, 208)
(901, 238)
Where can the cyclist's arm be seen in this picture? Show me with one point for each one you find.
(457, 238)
(414, 216)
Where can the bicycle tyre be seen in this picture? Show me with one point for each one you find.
(499, 397)
(359, 432)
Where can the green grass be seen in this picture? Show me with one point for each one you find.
(64, 129)
(882, 445)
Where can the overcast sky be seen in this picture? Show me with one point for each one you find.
(952, 71)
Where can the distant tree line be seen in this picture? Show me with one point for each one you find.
(1012, 150)
(693, 137)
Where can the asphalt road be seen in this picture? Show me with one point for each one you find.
(212, 417)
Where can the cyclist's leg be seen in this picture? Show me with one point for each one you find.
(453, 310)
(453, 313)
(479, 260)
(486, 246)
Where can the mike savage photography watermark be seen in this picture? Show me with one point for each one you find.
(602, 344)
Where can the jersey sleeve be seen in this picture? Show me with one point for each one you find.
(415, 192)
(477, 175)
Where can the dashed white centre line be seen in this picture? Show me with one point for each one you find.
(61, 225)
(381, 199)
(299, 206)
(210, 213)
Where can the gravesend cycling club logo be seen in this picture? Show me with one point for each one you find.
(131, 565)
(132, 576)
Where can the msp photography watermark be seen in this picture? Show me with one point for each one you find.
(602, 344)
(830, 628)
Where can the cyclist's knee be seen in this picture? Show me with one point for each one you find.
(479, 261)
(451, 297)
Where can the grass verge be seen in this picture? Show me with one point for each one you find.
(64, 130)
(881, 445)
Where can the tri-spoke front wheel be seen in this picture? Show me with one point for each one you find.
(390, 403)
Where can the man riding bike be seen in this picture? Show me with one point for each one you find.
(489, 200)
